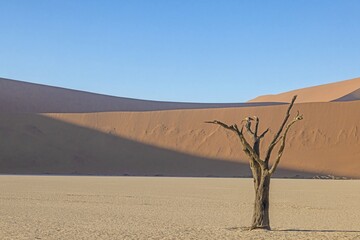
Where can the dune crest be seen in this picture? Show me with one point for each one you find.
(348, 90)
(24, 97)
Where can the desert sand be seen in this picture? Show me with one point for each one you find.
(173, 142)
(68, 207)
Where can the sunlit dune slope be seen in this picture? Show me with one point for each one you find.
(178, 142)
(348, 90)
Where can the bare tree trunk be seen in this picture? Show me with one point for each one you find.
(260, 168)
(261, 218)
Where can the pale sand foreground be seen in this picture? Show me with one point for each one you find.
(67, 207)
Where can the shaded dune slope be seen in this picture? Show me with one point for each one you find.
(348, 90)
(36, 144)
(353, 96)
(17, 96)
(178, 142)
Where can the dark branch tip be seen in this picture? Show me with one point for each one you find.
(210, 121)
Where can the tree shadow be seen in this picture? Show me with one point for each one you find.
(315, 230)
(295, 230)
(36, 144)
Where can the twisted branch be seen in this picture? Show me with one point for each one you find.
(298, 117)
(253, 152)
(277, 135)
(246, 146)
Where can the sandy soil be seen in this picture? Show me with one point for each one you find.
(64, 207)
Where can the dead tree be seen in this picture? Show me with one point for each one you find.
(260, 167)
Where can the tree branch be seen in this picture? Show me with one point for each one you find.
(283, 141)
(248, 127)
(246, 146)
(277, 135)
(256, 126)
(264, 133)
(231, 127)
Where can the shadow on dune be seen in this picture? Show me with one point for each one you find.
(36, 144)
(23, 97)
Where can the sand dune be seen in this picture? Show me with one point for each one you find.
(177, 143)
(20, 97)
(171, 142)
(315, 145)
(353, 96)
(348, 90)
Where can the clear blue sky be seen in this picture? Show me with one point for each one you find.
(179, 50)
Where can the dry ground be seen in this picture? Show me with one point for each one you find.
(68, 207)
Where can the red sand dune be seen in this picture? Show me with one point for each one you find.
(174, 142)
(348, 90)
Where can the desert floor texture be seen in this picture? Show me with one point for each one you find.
(79, 207)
